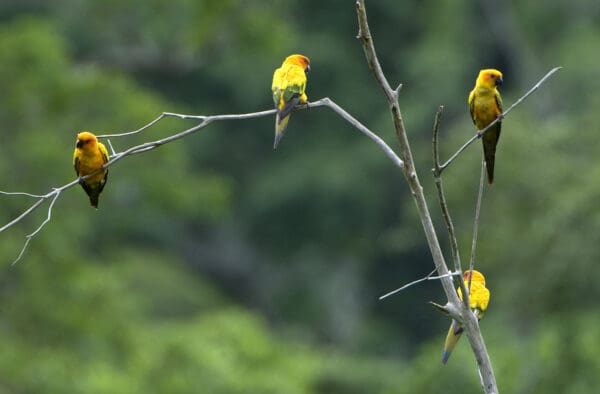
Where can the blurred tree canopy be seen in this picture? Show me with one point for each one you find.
(216, 263)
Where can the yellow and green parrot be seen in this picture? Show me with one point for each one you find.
(485, 105)
(479, 298)
(289, 85)
(88, 157)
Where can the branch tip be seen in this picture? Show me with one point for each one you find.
(480, 133)
(398, 89)
(440, 308)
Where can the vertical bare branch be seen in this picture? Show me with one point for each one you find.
(440, 190)
(468, 320)
(437, 174)
(364, 35)
(476, 219)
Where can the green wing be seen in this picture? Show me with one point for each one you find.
(499, 101)
(472, 105)
(76, 165)
(291, 99)
(105, 157)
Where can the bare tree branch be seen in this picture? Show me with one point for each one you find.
(208, 118)
(205, 121)
(24, 214)
(467, 319)
(437, 174)
(476, 219)
(410, 174)
(440, 190)
(386, 149)
(147, 126)
(20, 194)
(405, 162)
(480, 133)
(414, 282)
(112, 150)
(29, 237)
(449, 309)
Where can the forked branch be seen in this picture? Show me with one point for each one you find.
(366, 39)
(205, 120)
(468, 320)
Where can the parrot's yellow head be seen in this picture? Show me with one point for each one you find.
(298, 60)
(489, 78)
(86, 140)
(477, 277)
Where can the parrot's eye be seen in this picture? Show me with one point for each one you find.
(492, 76)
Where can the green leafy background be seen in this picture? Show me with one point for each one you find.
(218, 265)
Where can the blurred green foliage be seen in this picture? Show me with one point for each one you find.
(217, 265)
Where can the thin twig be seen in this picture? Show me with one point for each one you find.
(147, 126)
(444, 204)
(435, 144)
(448, 309)
(476, 219)
(428, 277)
(210, 118)
(205, 121)
(480, 133)
(33, 234)
(440, 189)
(112, 150)
(20, 194)
(24, 214)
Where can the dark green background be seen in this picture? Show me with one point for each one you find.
(218, 265)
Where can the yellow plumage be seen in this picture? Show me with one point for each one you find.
(88, 157)
(485, 105)
(479, 298)
(288, 87)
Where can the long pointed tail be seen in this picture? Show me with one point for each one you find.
(280, 126)
(489, 165)
(94, 196)
(490, 141)
(452, 338)
(93, 193)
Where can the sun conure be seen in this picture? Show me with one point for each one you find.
(288, 87)
(485, 105)
(88, 157)
(479, 298)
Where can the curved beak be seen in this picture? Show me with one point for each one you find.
(79, 143)
(499, 81)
